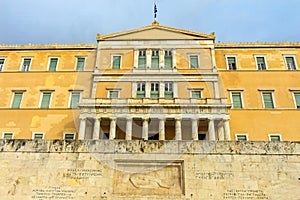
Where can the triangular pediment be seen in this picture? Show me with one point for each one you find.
(156, 32)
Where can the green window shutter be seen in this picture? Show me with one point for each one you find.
(196, 94)
(53, 64)
(46, 100)
(113, 94)
(142, 62)
(75, 100)
(241, 138)
(297, 100)
(7, 136)
(38, 136)
(155, 62)
(290, 63)
(69, 136)
(116, 62)
(17, 100)
(80, 64)
(168, 62)
(26, 64)
(168, 94)
(274, 138)
(231, 63)
(261, 63)
(268, 100)
(194, 62)
(236, 100)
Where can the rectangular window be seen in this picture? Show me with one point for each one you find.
(241, 137)
(231, 63)
(261, 63)
(113, 94)
(69, 136)
(74, 101)
(268, 100)
(2, 60)
(297, 99)
(290, 62)
(80, 64)
(236, 100)
(154, 90)
(274, 137)
(168, 59)
(25, 64)
(46, 99)
(168, 90)
(116, 62)
(16, 103)
(53, 64)
(140, 93)
(196, 94)
(155, 59)
(142, 59)
(194, 62)
(37, 136)
(7, 136)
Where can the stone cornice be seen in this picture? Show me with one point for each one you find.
(46, 46)
(258, 44)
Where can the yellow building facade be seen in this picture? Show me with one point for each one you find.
(151, 83)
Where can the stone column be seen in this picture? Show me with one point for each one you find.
(221, 131)
(162, 134)
(136, 58)
(161, 90)
(173, 57)
(175, 90)
(195, 129)
(216, 89)
(145, 128)
(128, 129)
(148, 58)
(96, 132)
(227, 129)
(147, 89)
(178, 135)
(112, 128)
(211, 130)
(82, 127)
(161, 58)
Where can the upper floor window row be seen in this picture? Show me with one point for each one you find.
(53, 62)
(261, 62)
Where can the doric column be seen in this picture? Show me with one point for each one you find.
(148, 58)
(145, 128)
(211, 130)
(227, 129)
(136, 58)
(195, 129)
(221, 131)
(112, 128)
(173, 57)
(162, 134)
(178, 135)
(96, 132)
(82, 127)
(128, 129)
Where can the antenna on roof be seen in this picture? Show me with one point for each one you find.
(155, 11)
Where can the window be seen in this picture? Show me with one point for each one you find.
(261, 62)
(142, 59)
(236, 100)
(290, 62)
(116, 62)
(168, 90)
(2, 60)
(69, 136)
(274, 137)
(140, 93)
(241, 137)
(25, 64)
(231, 62)
(268, 100)
(297, 99)
(154, 90)
(196, 94)
(153, 136)
(7, 136)
(45, 100)
(74, 101)
(80, 64)
(37, 136)
(155, 59)
(52, 64)
(113, 94)
(194, 62)
(16, 103)
(168, 59)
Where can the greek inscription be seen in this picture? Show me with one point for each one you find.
(214, 175)
(82, 173)
(53, 193)
(244, 194)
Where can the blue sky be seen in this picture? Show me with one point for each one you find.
(77, 21)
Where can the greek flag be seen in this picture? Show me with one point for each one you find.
(155, 10)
